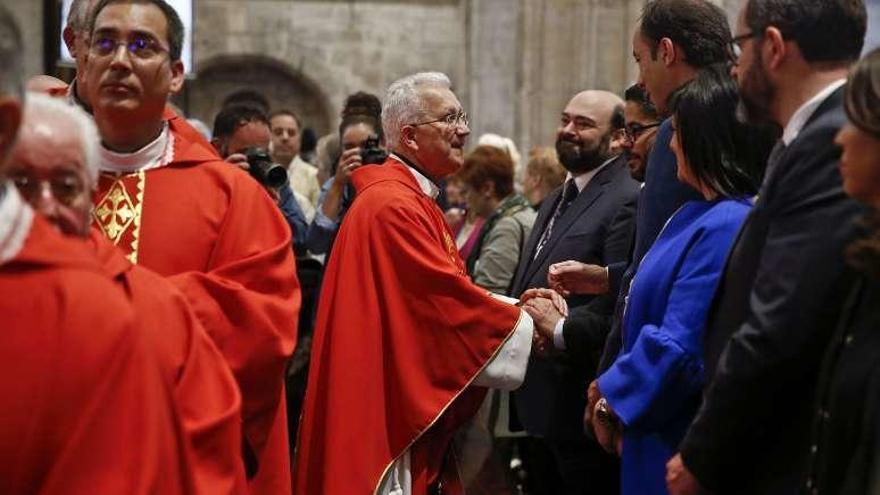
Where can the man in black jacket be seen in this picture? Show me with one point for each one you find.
(785, 279)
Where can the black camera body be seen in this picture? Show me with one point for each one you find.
(371, 152)
(263, 169)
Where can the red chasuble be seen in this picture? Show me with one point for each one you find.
(215, 233)
(86, 409)
(401, 333)
(204, 388)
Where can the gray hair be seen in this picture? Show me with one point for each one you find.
(10, 56)
(78, 15)
(59, 113)
(404, 104)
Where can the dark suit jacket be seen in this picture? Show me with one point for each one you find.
(596, 229)
(772, 317)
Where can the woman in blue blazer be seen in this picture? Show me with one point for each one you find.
(652, 390)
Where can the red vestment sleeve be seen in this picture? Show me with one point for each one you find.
(87, 408)
(401, 334)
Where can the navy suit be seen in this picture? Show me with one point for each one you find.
(782, 292)
(595, 228)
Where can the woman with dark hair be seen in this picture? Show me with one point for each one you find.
(487, 175)
(361, 121)
(845, 449)
(651, 392)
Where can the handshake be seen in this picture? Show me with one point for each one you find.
(548, 306)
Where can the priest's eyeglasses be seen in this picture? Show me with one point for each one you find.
(453, 119)
(139, 46)
(66, 187)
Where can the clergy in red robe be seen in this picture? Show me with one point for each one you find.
(87, 408)
(171, 206)
(58, 144)
(405, 344)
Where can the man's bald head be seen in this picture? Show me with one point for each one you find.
(57, 146)
(589, 122)
(11, 92)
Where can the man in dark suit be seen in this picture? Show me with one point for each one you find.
(588, 219)
(785, 280)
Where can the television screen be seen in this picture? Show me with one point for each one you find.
(184, 9)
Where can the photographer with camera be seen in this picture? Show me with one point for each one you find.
(241, 136)
(362, 140)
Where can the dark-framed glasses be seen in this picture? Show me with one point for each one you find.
(66, 187)
(735, 45)
(636, 129)
(140, 47)
(453, 119)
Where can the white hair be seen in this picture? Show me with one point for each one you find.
(59, 113)
(404, 103)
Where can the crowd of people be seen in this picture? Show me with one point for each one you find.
(678, 297)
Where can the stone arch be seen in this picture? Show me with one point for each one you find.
(283, 86)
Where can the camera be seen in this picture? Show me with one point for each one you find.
(371, 152)
(263, 169)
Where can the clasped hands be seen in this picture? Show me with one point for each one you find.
(546, 307)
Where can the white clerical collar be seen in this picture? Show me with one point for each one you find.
(157, 154)
(803, 114)
(16, 218)
(425, 184)
(583, 179)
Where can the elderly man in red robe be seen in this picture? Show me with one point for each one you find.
(58, 143)
(80, 386)
(405, 344)
(172, 206)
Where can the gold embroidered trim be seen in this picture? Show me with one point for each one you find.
(116, 213)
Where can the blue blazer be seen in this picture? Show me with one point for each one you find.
(655, 383)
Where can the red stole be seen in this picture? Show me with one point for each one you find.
(401, 333)
(214, 233)
(88, 409)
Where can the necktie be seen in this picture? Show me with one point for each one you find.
(568, 194)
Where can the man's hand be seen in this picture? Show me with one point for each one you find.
(554, 297)
(574, 277)
(241, 160)
(545, 316)
(679, 479)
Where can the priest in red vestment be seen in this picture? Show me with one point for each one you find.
(86, 407)
(171, 206)
(405, 344)
(58, 143)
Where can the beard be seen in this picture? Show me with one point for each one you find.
(756, 94)
(577, 158)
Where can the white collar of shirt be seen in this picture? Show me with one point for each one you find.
(425, 184)
(157, 154)
(583, 179)
(803, 114)
(16, 218)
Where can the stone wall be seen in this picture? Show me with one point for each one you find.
(514, 63)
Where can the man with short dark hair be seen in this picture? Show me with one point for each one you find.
(168, 202)
(286, 144)
(239, 127)
(642, 121)
(88, 409)
(785, 280)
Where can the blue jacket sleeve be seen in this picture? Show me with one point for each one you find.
(650, 384)
(322, 229)
(294, 216)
